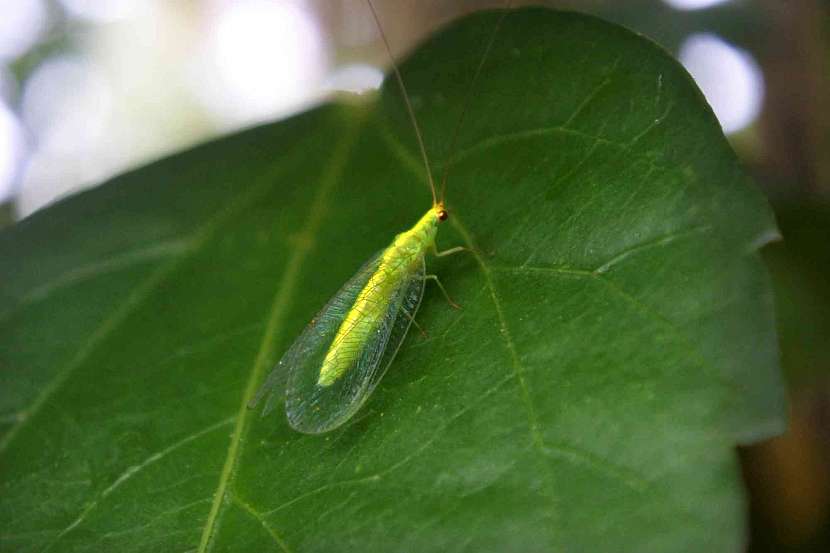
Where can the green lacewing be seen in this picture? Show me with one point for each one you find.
(332, 368)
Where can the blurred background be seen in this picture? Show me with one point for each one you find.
(91, 88)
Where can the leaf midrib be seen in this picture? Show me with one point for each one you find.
(279, 306)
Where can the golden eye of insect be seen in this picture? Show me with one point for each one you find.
(442, 215)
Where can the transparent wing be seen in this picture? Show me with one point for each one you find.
(318, 333)
(313, 409)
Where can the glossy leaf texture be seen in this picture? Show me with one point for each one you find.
(616, 338)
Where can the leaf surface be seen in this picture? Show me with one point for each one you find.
(616, 340)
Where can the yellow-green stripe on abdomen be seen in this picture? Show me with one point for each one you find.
(395, 268)
(363, 319)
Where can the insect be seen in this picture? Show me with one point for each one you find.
(334, 365)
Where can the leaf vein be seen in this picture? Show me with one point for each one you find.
(394, 466)
(279, 305)
(518, 368)
(133, 301)
(592, 95)
(653, 243)
(256, 515)
(132, 471)
(517, 136)
(170, 248)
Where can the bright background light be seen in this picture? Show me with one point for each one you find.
(729, 78)
(356, 78)
(21, 24)
(101, 11)
(66, 106)
(12, 147)
(261, 59)
(149, 77)
(694, 4)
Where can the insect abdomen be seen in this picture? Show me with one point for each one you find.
(363, 319)
(396, 265)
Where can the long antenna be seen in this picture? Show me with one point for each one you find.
(408, 104)
(448, 163)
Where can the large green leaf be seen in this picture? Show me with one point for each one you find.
(616, 339)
